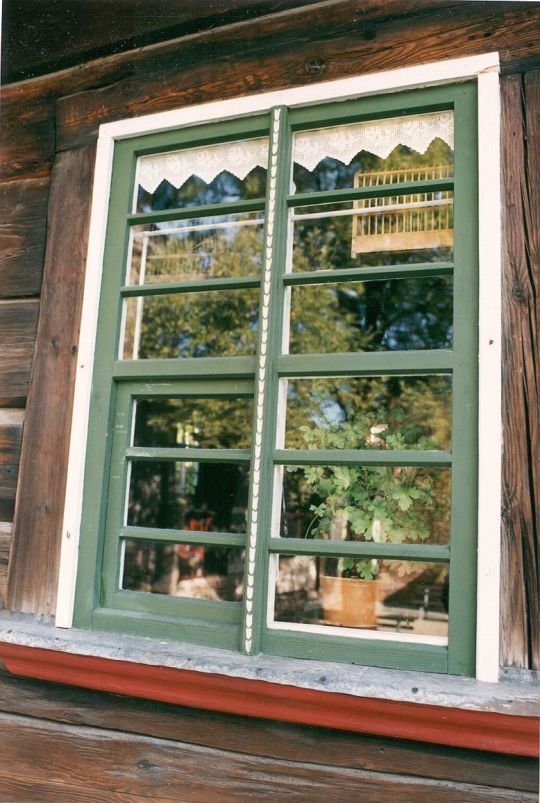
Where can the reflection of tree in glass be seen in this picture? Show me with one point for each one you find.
(225, 188)
(207, 423)
(330, 402)
(205, 253)
(334, 235)
(214, 323)
(372, 316)
(331, 174)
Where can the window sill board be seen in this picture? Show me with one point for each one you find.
(459, 712)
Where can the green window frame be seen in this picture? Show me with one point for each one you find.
(100, 603)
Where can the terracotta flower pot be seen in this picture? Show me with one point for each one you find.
(349, 601)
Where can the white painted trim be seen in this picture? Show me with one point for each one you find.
(485, 67)
(489, 396)
(83, 385)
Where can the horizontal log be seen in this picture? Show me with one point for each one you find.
(124, 764)
(27, 134)
(38, 516)
(11, 422)
(29, 107)
(48, 38)
(329, 43)
(16, 789)
(23, 223)
(262, 738)
(8, 489)
(328, 40)
(5, 546)
(18, 324)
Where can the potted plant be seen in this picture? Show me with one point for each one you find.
(389, 504)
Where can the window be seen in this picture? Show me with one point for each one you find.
(282, 446)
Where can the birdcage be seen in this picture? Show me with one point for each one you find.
(407, 222)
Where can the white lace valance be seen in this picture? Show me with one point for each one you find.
(238, 158)
(378, 137)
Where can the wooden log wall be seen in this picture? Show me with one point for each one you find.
(72, 745)
(50, 127)
(520, 593)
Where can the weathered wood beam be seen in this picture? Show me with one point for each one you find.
(333, 43)
(326, 40)
(274, 740)
(33, 570)
(520, 594)
(64, 762)
(23, 223)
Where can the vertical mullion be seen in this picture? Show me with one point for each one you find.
(462, 597)
(266, 381)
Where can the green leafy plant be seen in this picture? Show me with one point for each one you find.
(369, 503)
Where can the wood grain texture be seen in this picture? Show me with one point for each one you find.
(150, 768)
(23, 224)
(329, 43)
(496, 731)
(520, 594)
(27, 134)
(18, 323)
(68, 705)
(5, 546)
(39, 38)
(329, 40)
(34, 562)
(11, 422)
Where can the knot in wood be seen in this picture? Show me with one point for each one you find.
(316, 66)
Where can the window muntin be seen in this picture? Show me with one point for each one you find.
(431, 361)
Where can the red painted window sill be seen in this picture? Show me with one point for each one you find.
(480, 730)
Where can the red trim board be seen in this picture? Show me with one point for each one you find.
(478, 730)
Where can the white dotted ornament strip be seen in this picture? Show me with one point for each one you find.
(261, 385)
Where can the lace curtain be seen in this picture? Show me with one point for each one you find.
(378, 137)
(340, 142)
(238, 158)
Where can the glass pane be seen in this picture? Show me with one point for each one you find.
(388, 315)
(412, 148)
(205, 497)
(184, 570)
(199, 248)
(212, 174)
(399, 412)
(194, 422)
(214, 324)
(401, 229)
(388, 504)
(403, 597)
